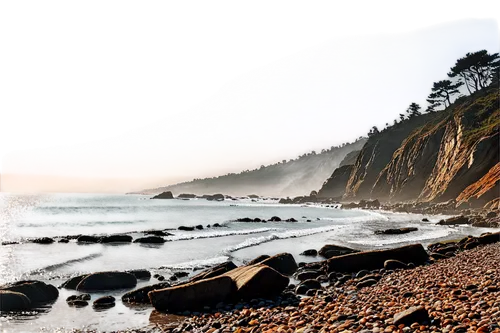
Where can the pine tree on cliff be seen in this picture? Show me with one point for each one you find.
(476, 69)
(441, 94)
(413, 110)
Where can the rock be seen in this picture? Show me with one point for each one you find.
(173, 278)
(13, 301)
(88, 239)
(489, 238)
(181, 274)
(164, 195)
(84, 297)
(78, 303)
(491, 214)
(186, 196)
(362, 273)
(140, 296)
(366, 283)
(307, 275)
(36, 291)
(284, 263)
(184, 228)
(245, 219)
(257, 281)
(415, 314)
(425, 219)
(150, 240)
(371, 260)
(275, 219)
(194, 295)
(331, 250)
(140, 274)
(215, 197)
(214, 271)
(397, 231)
(116, 239)
(259, 259)
(160, 278)
(43, 240)
(455, 220)
(107, 281)
(157, 233)
(307, 285)
(63, 240)
(291, 220)
(73, 282)
(199, 227)
(394, 264)
(311, 252)
(104, 302)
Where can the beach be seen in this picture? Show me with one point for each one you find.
(237, 233)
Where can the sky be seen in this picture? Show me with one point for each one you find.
(317, 98)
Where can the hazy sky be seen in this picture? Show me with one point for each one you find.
(317, 98)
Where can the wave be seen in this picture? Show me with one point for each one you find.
(219, 234)
(200, 263)
(66, 263)
(302, 232)
(406, 238)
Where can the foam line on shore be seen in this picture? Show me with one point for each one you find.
(299, 233)
(432, 234)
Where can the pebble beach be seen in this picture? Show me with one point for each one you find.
(459, 294)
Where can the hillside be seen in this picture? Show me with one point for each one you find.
(452, 154)
(286, 178)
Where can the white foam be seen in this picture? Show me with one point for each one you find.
(302, 232)
(215, 234)
(406, 238)
(197, 263)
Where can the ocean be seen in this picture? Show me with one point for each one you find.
(51, 215)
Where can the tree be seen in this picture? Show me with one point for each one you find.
(374, 130)
(402, 117)
(475, 69)
(413, 110)
(442, 92)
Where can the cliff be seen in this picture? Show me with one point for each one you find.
(287, 178)
(452, 154)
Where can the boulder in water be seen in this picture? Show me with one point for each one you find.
(284, 263)
(331, 250)
(13, 301)
(164, 195)
(36, 291)
(116, 239)
(107, 281)
(150, 240)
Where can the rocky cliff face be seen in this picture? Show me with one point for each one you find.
(334, 187)
(451, 154)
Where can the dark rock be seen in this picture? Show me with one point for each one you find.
(88, 239)
(116, 239)
(275, 219)
(311, 252)
(362, 273)
(199, 227)
(160, 278)
(164, 195)
(13, 301)
(140, 296)
(184, 228)
(104, 302)
(455, 220)
(366, 283)
(331, 250)
(73, 282)
(43, 240)
(415, 314)
(63, 240)
(36, 291)
(397, 231)
(193, 296)
(84, 297)
(215, 197)
(150, 240)
(78, 303)
(217, 225)
(371, 260)
(306, 285)
(291, 220)
(307, 275)
(425, 219)
(259, 259)
(181, 274)
(157, 233)
(489, 238)
(491, 215)
(186, 196)
(140, 274)
(214, 271)
(394, 264)
(173, 278)
(107, 281)
(284, 263)
(245, 219)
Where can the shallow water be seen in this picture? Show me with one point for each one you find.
(25, 216)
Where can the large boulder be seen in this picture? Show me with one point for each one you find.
(164, 195)
(257, 281)
(332, 250)
(415, 314)
(455, 220)
(284, 263)
(396, 231)
(140, 296)
(489, 238)
(150, 240)
(193, 296)
(43, 240)
(214, 271)
(36, 291)
(140, 274)
(88, 239)
(307, 285)
(375, 259)
(73, 282)
(13, 301)
(259, 259)
(107, 281)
